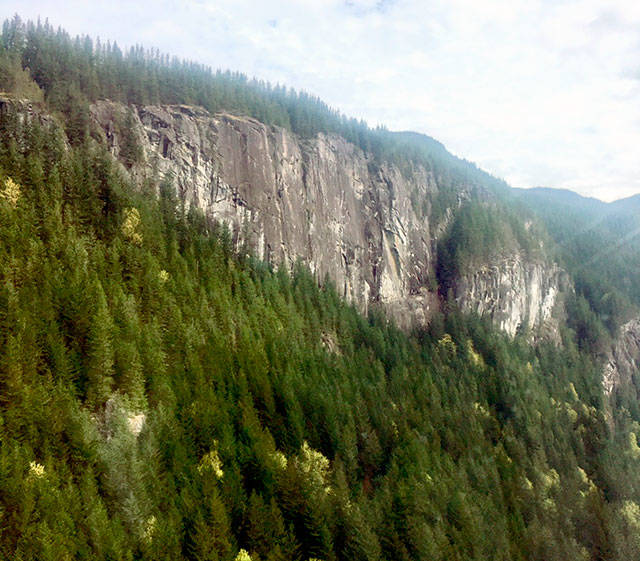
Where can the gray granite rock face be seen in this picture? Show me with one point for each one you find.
(624, 359)
(515, 292)
(324, 201)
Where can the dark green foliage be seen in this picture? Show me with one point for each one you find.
(598, 244)
(73, 72)
(483, 232)
(130, 151)
(162, 399)
(99, 351)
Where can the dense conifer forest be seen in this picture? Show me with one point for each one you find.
(69, 73)
(165, 397)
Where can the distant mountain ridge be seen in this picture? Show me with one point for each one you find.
(569, 197)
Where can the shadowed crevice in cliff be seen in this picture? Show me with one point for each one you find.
(488, 262)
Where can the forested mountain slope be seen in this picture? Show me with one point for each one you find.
(373, 227)
(598, 243)
(369, 208)
(166, 394)
(163, 398)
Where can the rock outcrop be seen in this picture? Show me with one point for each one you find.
(325, 201)
(624, 359)
(516, 293)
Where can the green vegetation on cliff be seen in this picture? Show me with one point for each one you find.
(598, 244)
(484, 232)
(72, 72)
(162, 398)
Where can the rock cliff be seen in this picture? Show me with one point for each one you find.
(623, 361)
(328, 203)
(515, 292)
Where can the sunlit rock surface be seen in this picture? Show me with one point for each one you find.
(326, 202)
(516, 293)
(624, 359)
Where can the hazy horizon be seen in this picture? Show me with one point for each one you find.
(537, 93)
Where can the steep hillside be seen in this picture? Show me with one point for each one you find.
(599, 244)
(162, 397)
(367, 207)
(194, 364)
(369, 225)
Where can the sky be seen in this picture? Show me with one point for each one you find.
(537, 92)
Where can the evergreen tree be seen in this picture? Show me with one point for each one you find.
(99, 381)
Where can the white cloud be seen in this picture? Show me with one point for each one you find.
(540, 92)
